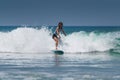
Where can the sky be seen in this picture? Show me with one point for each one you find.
(70, 12)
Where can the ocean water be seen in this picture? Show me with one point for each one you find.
(91, 53)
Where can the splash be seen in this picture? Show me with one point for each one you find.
(40, 40)
(26, 40)
(88, 42)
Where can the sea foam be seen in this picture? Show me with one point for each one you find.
(40, 40)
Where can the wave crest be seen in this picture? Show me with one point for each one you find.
(40, 40)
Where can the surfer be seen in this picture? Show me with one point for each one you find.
(56, 35)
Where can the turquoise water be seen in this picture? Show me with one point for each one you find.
(91, 53)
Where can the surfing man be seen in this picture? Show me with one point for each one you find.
(56, 35)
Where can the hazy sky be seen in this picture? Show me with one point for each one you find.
(49, 12)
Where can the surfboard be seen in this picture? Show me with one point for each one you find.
(58, 52)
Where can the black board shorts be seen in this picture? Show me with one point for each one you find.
(54, 35)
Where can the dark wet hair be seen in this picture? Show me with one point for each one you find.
(60, 23)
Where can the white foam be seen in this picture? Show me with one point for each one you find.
(40, 40)
(26, 40)
(83, 42)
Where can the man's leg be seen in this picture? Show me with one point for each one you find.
(56, 40)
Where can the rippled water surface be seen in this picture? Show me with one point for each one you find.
(69, 66)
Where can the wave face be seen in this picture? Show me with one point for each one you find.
(40, 40)
(26, 40)
(88, 42)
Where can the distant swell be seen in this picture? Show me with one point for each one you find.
(40, 40)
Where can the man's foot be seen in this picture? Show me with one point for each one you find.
(56, 48)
